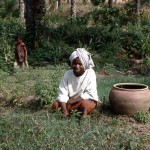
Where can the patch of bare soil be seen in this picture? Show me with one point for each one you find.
(128, 124)
(138, 129)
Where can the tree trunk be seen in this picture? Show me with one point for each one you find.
(59, 3)
(21, 11)
(35, 11)
(110, 3)
(39, 12)
(30, 23)
(73, 8)
(138, 4)
(48, 5)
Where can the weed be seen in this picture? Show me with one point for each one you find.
(75, 114)
(141, 116)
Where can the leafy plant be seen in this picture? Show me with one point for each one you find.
(7, 42)
(109, 68)
(52, 52)
(46, 88)
(75, 114)
(147, 60)
(43, 91)
(141, 116)
(97, 2)
(9, 7)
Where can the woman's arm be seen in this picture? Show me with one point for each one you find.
(63, 90)
(64, 109)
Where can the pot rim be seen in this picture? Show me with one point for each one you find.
(139, 84)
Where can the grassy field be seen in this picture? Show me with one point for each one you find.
(27, 125)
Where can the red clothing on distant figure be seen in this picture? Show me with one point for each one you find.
(20, 52)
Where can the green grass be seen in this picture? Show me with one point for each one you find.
(105, 84)
(24, 128)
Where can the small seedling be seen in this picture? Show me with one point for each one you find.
(141, 116)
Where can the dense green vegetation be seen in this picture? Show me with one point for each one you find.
(112, 34)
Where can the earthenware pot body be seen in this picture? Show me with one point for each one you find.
(129, 98)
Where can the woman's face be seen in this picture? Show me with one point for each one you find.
(77, 67)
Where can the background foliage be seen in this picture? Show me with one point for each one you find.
(114, 34)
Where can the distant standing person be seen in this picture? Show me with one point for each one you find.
(20, 54)
(78, 88)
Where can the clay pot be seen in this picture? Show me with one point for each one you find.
(129, 98)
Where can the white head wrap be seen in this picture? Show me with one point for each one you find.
(84, 56)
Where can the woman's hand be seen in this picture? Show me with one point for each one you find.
(65, 114)
(64, 110)
(99, 103)
(75, 100)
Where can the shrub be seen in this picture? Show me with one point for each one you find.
(9, 7)
(53, 52)
(97, 2)
(9, 29)
(46, 88)
(106, 16)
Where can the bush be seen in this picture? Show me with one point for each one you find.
(9, 29)
(106, 16)
(97, 2)
(54, 52)
(9, 7)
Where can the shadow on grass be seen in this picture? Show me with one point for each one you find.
(105, 108)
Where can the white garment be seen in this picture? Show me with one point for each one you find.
(84, 86)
